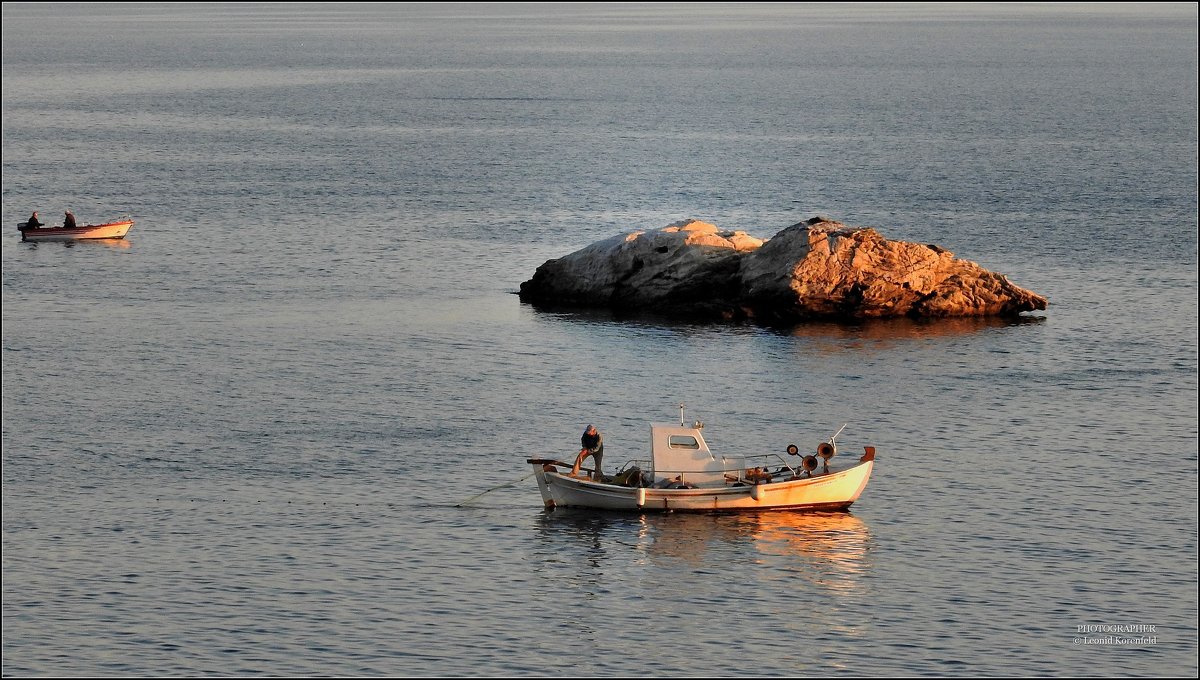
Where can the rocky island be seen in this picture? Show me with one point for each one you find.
(818, 269)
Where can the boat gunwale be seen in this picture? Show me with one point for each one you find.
(595, 487)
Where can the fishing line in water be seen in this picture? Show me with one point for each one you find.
(278, 503)
(330, 504)
(460, 504)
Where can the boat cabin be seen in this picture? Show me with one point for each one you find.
(680, 451)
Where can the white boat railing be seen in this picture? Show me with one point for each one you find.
(758, 469)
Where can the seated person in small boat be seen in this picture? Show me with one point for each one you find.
(33, 222)
(593, 445)
(69, 220)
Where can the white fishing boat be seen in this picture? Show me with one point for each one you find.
(684, 475)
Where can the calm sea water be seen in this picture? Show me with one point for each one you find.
(237, 443)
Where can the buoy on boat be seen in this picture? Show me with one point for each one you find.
(793, 450)
(641, 497)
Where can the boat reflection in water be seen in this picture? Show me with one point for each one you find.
(115, 243)
(827, 551)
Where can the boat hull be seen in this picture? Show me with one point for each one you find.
(86, 232)
(833, 491)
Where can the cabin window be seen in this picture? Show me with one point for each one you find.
(679, 441)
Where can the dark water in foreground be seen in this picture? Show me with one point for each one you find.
(236, 443)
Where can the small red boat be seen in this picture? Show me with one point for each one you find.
(87, 231)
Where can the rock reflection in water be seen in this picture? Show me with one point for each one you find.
(828, 336)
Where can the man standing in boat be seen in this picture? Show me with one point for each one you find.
(593, 445)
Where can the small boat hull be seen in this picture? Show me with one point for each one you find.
(832, 491)
(86, 232)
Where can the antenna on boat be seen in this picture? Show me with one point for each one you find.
(827, 450)
(683, 421)
(835, 434)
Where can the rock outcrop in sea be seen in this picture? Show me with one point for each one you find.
(818, 269)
